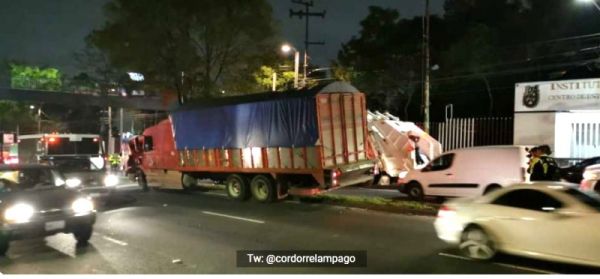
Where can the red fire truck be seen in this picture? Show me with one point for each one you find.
(263, 145)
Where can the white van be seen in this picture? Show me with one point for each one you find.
(468, 172)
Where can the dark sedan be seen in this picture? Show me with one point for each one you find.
(574, 173)
(34, 202)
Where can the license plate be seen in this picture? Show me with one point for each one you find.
(55, 225)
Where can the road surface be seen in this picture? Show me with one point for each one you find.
(170, 232)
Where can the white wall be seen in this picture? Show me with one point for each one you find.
(566, 137)
(535, 128)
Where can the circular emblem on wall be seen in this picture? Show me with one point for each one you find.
(531, 97)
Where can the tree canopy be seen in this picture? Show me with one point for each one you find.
(200, 48)
(479, 50)
(34, 77)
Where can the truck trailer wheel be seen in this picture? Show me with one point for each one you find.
(237, 187)
(188, 182)
(263, 189)
(142, 182)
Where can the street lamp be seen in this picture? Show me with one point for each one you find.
(286, 48)
(590, 1)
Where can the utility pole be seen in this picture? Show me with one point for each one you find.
(426, 68)
(306, 14)
(111, 142)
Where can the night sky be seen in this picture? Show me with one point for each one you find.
(47, 33)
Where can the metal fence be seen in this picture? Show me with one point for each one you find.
(585, 138)
(467, 132)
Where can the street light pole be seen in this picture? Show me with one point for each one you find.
(426, 68)
(296, 68)
(286, 48)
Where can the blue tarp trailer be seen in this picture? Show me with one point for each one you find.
(265, 145)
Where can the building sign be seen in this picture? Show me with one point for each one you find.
(8, 138)
(560, 95)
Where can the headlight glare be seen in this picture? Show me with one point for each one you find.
(588, 175)
(73, 182)
(19, 213)
(82, 206)
(111, 180)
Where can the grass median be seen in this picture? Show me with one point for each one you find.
(376, 203)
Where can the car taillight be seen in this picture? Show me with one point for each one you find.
(446, 211)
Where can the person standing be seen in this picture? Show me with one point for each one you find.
(550, 167)
(536, 169)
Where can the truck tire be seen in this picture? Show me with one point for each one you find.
(82, 235)
(263, 189)
(188, 182)
(237, 187)
(142, 182)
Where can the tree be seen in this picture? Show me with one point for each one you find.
(13, 115)
(97, 70)
(34, 77)
(199, 47)
(480, 50)
(264, 77)
(384, 60)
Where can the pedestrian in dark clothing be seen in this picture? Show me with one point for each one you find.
(551, 170)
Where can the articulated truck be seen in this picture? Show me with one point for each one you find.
(265, 146)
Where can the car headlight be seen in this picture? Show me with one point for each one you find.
(82, 206)
(111, 180)
(73, 182)
(19, 213)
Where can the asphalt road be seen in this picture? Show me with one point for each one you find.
(176, 233)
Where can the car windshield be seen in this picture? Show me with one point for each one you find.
(23, 179)
(590, 199)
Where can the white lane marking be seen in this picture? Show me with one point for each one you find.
(525, 268)
(116, 241)
(215, 194)
(234, 217)
(500, 264)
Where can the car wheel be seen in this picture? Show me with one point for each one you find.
(415, 191)
(82, 235)
(237, 187)
(4, 244)
(476, 244)
(491, 188)
(597, 187)
(263, 189)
